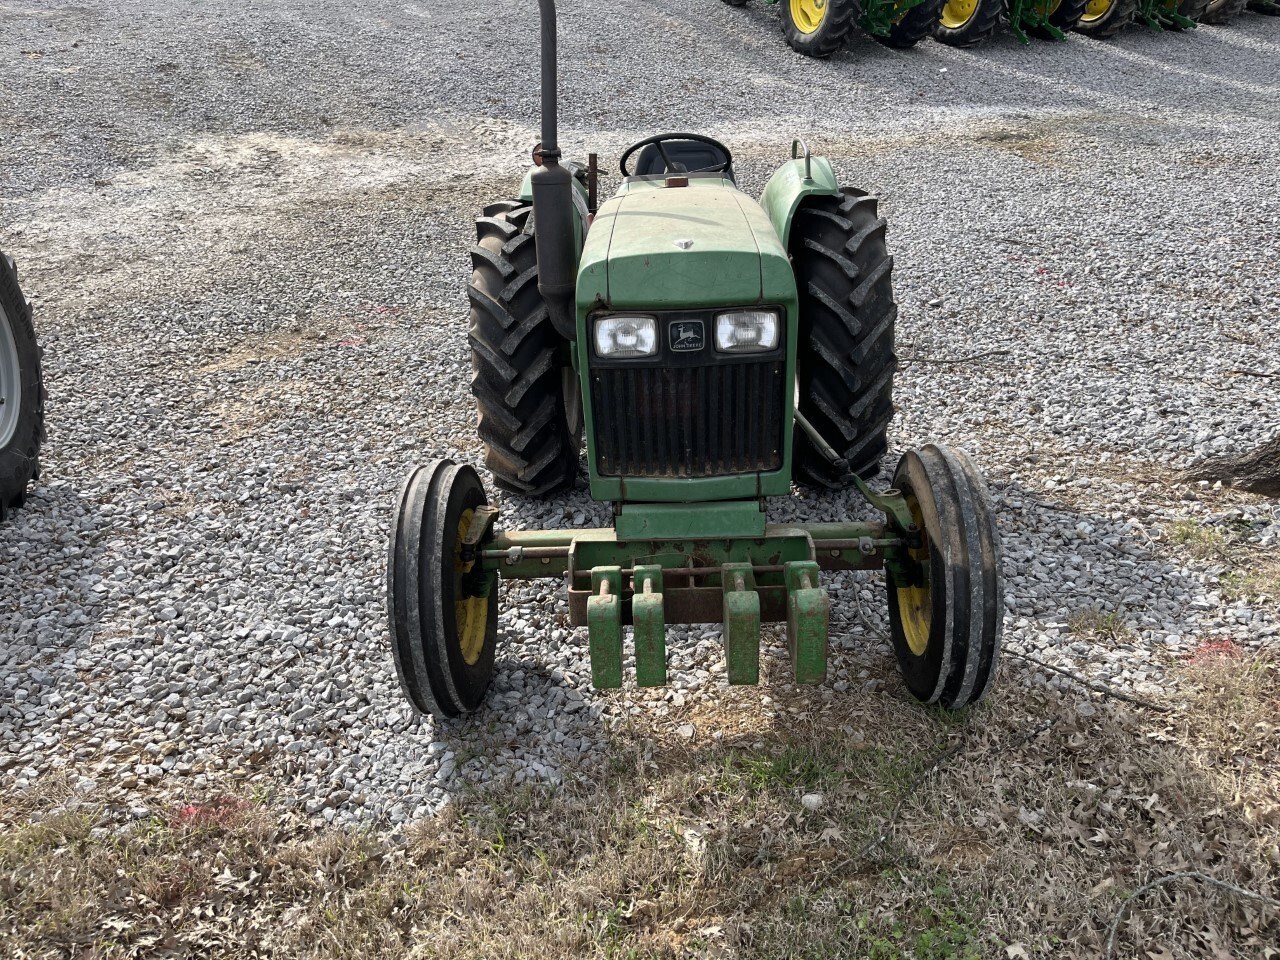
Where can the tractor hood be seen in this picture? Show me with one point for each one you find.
(702, 245)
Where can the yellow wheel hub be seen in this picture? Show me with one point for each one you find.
(470, 614)
(1096, 10)
(915, 604)
(956, 13)
(807, 15)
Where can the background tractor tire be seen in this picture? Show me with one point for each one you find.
(963, 23)
(1063, 14)
(21, 393)
(1268, 8)
(846, 361)
(1105, 18)
(1193, 10)
(913, 26)
(816, 28)
(525, 388)
(1223, 11)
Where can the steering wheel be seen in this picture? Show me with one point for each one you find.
(660, 142)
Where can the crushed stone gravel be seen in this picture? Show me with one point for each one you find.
(245, 231)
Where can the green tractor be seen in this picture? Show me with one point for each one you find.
(710, 348)
(21, 392)
(819, 28)
(965, 23)
(1103, 19)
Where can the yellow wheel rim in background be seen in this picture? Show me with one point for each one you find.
(470, 614)
(807, 15)
(956, 13)
(915, 604)
(1096, 9)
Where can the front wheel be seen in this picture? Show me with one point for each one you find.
(21, 392)
(945, 619)
(909, 28)
(1193, 10)
(443, 618)
(964, 23)
(1063, 14)
(1223, 11)
(817, 28)
(1105, 18)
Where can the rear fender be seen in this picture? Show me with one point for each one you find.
(579, 205)
(791, 185)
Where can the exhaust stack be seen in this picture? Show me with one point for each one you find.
(553, 209)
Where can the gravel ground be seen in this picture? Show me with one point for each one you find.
(244, 228)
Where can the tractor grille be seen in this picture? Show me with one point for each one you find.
(688, 421)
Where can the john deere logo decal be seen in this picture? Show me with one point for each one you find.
(687, 336)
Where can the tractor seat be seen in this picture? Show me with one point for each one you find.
(689, 155)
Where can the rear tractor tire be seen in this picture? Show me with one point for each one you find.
(946, 626)
(964, 23)
(526, 391)
(913, 25)
(846, 359)
(817, 28)
(443, 634)
(21, 393)
(1103, 19)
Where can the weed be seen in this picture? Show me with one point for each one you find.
(1093, 621)
(1198, 540)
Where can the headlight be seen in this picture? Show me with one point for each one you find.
(622, 337)
(746, 331)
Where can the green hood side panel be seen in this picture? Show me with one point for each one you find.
(789, 187)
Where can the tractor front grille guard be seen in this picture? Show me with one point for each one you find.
(710, 420)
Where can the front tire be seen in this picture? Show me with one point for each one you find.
(946, 627)
(1193, 10)
(1103, 19)
(964, 23)
(21, 393)
(817, 28)
(522, 378)
(1223, 11)
(443, 633)
(1063, 14)
(913, 26)
(846, 361)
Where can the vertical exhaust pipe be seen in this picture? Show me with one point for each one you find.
(553, 209)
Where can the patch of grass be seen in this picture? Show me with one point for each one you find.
(1094, 622)
(1199, 541)
(701, 848)
(1256, 580)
